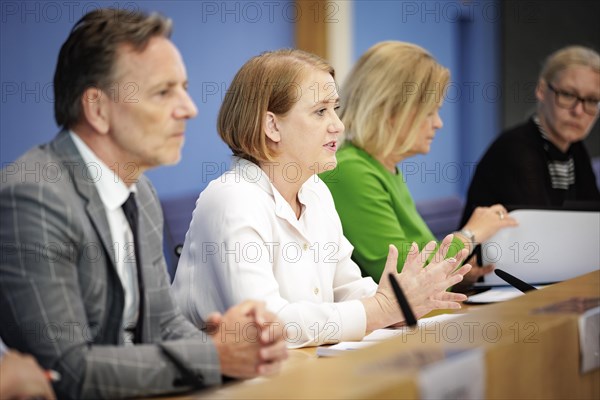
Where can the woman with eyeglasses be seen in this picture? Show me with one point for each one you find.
(544, 162)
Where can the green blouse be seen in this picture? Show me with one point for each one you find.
(376, 210)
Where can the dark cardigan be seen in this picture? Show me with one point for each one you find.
(514, 172)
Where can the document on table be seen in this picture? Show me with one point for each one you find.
(379, 335)
(494, 295)
(497, 294)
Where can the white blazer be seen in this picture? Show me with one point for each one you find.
(245, 242)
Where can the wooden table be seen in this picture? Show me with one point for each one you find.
(527, 355)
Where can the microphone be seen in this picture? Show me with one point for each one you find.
(409, 316)
(514, 281)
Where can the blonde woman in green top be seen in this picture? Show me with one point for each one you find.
(390, 108)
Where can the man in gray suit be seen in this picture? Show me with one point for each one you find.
(83, 284)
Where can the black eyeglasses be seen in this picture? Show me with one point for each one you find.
(570, 100)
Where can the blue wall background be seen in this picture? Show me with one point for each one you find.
(216, 38)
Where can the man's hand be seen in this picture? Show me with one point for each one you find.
(22, 378)
(249, 340)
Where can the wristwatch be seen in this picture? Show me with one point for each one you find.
(468, 234)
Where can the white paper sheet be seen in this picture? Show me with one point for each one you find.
(495, 295)
(379, 335)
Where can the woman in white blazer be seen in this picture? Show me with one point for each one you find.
(268, 230)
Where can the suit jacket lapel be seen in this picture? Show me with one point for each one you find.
(148, 234)
(64, 147)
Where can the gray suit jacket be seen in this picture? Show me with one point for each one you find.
(60, 296)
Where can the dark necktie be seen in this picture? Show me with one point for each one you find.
(131, 213)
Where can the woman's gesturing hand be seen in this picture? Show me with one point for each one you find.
(424, 286)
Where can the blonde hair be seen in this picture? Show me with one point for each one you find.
(267, 82)
(390, 91)
(566, 57)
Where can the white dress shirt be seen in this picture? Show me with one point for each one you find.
(113, 193)
(245, 242)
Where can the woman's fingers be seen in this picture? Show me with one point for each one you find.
(443, 249)
(412, 265)
(450, 296)
(391, 263)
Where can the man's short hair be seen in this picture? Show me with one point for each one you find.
(88, 56)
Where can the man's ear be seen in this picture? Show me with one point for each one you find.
(271, 127)
(540, 90)
(95, 107)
